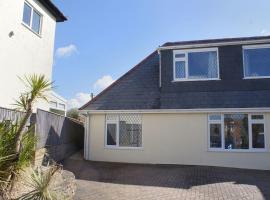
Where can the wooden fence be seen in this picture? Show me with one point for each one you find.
(11, 115)
(60, 135)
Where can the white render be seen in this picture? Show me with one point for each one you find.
(172, 138)
(25, 52)
(58, 101)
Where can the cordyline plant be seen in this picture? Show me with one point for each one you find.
(17, 144)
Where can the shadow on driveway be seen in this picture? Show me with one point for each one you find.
(208, 182)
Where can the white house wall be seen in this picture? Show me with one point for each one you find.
(173, 139)
(24, 53)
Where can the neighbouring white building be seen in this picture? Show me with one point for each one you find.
(57, 104)
(27, 42)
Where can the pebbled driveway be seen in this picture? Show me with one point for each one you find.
(117, 181)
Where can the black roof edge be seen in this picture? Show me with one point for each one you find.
(205, 41)
(48, 4)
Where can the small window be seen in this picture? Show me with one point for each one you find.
(61, 106)
(198, 64)
(256, 61)
(32, 18)
(124, 130)
(53, 104)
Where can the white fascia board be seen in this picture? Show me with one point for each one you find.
(181, 111)
(214, 44)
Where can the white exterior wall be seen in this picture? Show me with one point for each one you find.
(172, 139)
(25, 52)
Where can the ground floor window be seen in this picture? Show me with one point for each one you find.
(123, 130)
(237, 131)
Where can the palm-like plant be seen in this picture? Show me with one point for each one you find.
(37, 86)
(17, 144)
(40, 183)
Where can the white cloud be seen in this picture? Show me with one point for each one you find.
(66, 51)
(79, 100)
(265, 32)
(103, 82)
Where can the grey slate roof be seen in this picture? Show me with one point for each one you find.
(139, 88)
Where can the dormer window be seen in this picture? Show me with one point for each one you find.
(196, 64)
(32, 18)
(256, 61)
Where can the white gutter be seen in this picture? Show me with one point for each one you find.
(181, 111)
(214, 44)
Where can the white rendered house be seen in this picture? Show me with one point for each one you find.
(27, 42)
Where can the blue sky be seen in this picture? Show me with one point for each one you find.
(103, 39)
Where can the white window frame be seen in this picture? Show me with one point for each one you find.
(185, 59)
(258, 46)
(112, 121)
(250, 122)
(31, 19)
(116, 121)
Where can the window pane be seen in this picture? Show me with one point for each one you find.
(61, 106)
(182, 55)
(53, 104)
(258, 135)
(180, 69)
(26, 14)
(130, 131)
(202, 65)
(257, 62)
(236, 131)
(215, 135)
(214, 117)
(36, 22)
(111, 134)
(257, 117)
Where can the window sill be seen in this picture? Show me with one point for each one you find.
(123, 148)
(184, 80)
(26, 26)
(256, 77)
(238, 150)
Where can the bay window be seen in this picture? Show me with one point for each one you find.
(256, 61)
(238, 131)
(123, 130)
(196, 64)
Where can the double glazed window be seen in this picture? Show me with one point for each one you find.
(196, 64)
(32, 18)
(256, 61)
(124, 130)
(236, 131)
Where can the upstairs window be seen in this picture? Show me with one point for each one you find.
(256, 61)
(124, 130)
(32, 18)
(196, 64)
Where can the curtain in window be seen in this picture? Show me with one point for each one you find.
(212, 65)
(246, 63)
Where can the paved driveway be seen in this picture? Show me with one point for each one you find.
(114, 181)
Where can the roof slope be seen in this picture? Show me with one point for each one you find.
(137, 89)
(53, 10)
